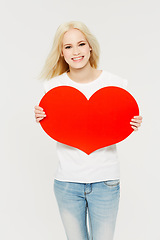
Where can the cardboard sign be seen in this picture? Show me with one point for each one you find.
(91, 124)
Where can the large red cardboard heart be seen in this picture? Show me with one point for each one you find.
(91, 124)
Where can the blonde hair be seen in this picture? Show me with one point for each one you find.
(55, 64)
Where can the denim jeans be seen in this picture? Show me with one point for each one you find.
(99, 201)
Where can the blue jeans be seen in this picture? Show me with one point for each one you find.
(99, 201)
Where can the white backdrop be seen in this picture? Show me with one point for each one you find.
(128, 33)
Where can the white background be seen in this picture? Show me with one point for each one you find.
(129, 37)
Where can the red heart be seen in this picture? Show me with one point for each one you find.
(91, 124)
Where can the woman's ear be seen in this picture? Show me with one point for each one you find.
(61, 52)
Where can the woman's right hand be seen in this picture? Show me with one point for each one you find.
(39, 113)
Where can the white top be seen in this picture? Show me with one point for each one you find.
(75, 165)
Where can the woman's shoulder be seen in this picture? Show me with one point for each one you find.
(53, 82)
(116, 79)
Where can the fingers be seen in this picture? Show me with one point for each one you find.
(39, 119)
(137, 118)
(135, 128)
(39, 113)
(38, 108)
(136, 122)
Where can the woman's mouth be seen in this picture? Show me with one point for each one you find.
(78, 59)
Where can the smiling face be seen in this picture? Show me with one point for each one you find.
(75, 49)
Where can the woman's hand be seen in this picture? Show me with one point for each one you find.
(136, 122)
(39, 113)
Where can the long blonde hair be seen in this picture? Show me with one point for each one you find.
(55, 64)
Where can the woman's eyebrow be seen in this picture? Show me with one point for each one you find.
(71, 44)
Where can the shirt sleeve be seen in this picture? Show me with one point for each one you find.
(45, 87)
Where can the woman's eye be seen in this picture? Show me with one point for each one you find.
(81, 44)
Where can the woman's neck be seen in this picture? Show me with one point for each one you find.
(84, 75)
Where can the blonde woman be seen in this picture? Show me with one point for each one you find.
(83, 184)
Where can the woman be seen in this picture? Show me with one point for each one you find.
(84, 184)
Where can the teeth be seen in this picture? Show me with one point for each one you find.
(77, 58)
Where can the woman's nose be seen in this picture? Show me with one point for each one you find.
(76, 50)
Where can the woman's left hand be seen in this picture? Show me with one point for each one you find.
(136, 122)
